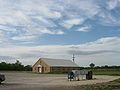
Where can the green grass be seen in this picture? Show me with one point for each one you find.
(112, 72)
(113, 85)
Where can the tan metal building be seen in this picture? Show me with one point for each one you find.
(46, 65)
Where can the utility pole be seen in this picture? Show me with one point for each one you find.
(73, 58)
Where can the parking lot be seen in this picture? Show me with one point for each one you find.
(32, 81)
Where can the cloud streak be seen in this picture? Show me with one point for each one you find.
(104, 49)
(84, 29)
(92, 52)
(36, 17)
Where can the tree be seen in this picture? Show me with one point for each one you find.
(28, 68)
(106, 66)
(18, 62)
(18, 66)
(92, 65)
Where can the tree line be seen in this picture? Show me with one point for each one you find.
(92, 65)
(17, 66)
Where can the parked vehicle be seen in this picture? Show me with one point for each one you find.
(2, 78)
(80, 74)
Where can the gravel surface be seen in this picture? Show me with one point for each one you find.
(31, 81)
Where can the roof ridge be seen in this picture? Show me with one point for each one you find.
(59, 62)
(55, 59)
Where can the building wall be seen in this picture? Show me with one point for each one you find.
(45, 68)
(63, 69)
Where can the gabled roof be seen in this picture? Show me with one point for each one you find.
(59, 62)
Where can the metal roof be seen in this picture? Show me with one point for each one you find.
(59, 62)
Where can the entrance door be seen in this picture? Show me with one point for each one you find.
(39, 67)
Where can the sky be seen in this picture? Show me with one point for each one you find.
(90, 29)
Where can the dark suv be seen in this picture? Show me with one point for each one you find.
(2, 78)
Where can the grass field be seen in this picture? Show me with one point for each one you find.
(112, 85)
(112, 72)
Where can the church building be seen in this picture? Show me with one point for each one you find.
(47, 65)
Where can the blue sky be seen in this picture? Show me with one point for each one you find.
(30, 29)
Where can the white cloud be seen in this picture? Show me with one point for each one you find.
(43, 21)
(42, 8)
(33, 16)
(107, 43)
(38, 31)
(80, 8)
(7, 29)
(2, 38)
(87, 7)
(60, 32)
(33, 33)
(55, 15)
(84, 29)
(109, 13)
(46, 31)
(1, 33)
(105, 18)
(23, 38)
(71, 22)
(14, 18)
(113, 4)
(102, 51)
